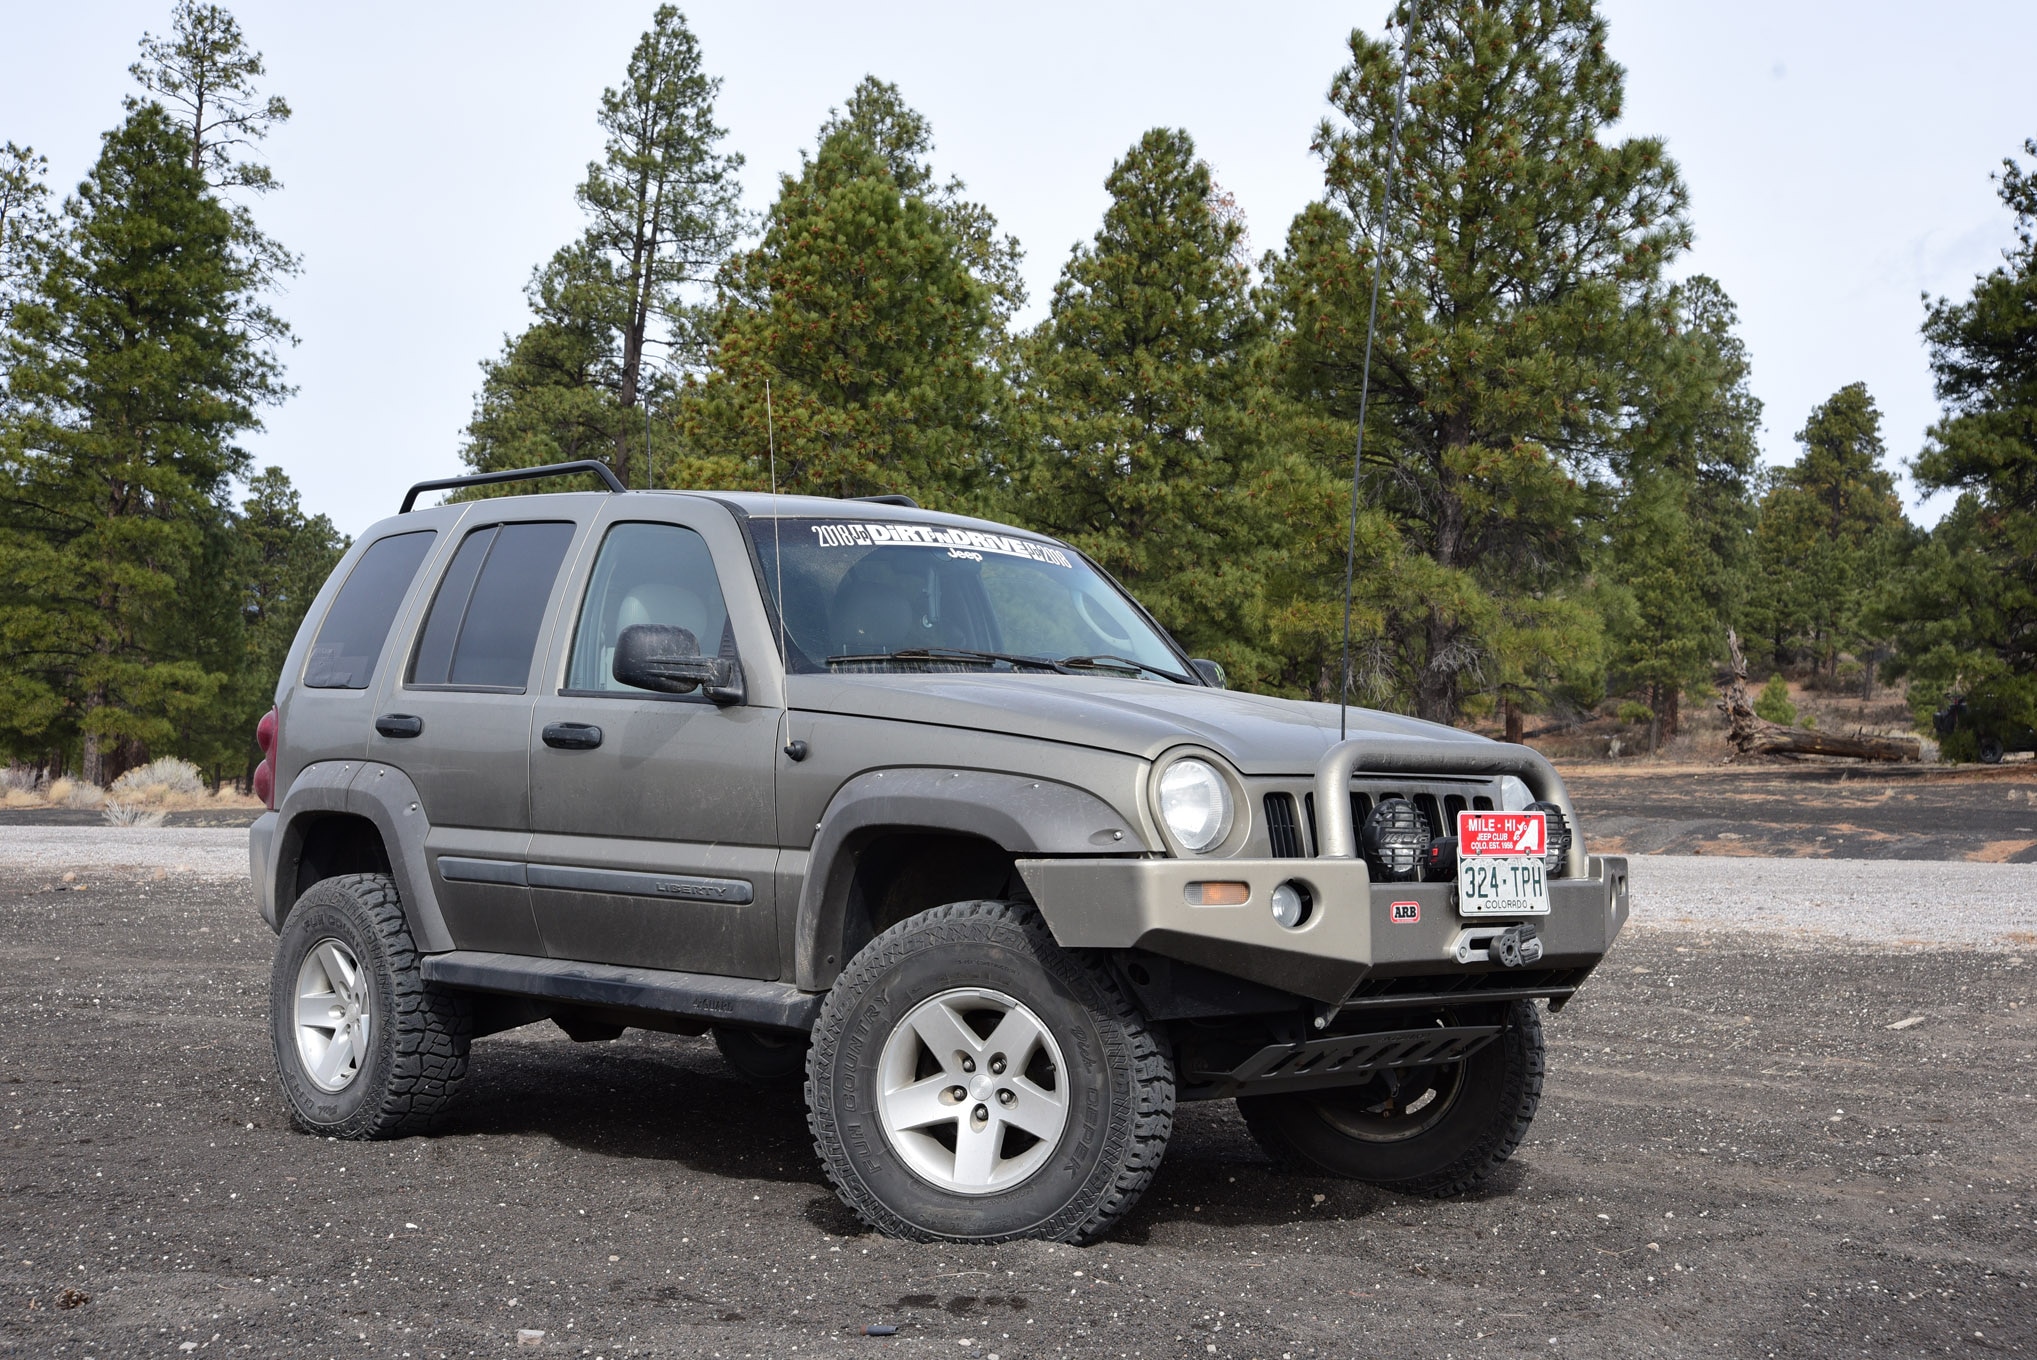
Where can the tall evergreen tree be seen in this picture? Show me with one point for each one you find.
(131, 368)
(25, 221)
(1966, 611)
(1143, 381)
(1831, 531)
(871, 308)
(1524, 247)
(1676, 545)
(205, 75)
(663, 212)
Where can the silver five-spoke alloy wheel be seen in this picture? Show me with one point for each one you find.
(333, 1015)
(970, 1092)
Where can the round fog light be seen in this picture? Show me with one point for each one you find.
(1290, 903)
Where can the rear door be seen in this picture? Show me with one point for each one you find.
(653, 815)
(456, 719)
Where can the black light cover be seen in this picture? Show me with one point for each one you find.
(1396, 840)
(1559, 838)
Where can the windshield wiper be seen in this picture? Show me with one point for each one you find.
(948, 654)
(1123, 664)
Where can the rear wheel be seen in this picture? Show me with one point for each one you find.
(1421, 1131)
(971, 1081)
(1990, 750)
(364, 1046)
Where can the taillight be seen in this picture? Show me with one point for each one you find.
(265, 773)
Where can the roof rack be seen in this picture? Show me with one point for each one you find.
(589, 465)
(906, 501)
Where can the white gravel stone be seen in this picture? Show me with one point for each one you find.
(210, 852)
(1883, 901)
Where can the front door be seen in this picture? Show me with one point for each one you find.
(456, 719)
(652, 814)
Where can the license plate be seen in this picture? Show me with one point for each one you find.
(1500, 871)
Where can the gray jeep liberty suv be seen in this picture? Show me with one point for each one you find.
(921, 809)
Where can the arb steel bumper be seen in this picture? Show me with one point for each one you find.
(1360, 932)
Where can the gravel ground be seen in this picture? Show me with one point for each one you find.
(1749, 1145)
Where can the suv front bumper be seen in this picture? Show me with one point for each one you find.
(1353, 936)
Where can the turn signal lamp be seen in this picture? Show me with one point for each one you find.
(1217, 894)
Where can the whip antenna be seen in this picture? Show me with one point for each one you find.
(777, 530)
(1407, 50)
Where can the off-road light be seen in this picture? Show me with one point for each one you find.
(1395, 839)
(1557, 851)
(1290, 903)
(1194, 803)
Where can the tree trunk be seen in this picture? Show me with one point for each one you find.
(1753, 735)
(1672, 712)
(1513, 720)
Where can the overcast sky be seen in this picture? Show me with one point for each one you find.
(1837, 154)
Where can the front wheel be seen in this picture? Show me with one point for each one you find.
(1429, 1131)
(971, 1081)
(364, 1046)
(1990, 750)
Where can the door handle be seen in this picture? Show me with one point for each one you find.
(399, 725)
(572, 736)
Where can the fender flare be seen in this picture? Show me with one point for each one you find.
(1032, 817)
(382, 795)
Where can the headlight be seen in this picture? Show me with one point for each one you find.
(1195, 803)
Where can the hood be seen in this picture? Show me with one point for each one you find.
(1257, 734)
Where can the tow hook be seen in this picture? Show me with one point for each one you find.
(1514, 946)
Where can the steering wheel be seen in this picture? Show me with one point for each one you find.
(1106, 626)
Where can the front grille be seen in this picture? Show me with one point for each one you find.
(1281, 828)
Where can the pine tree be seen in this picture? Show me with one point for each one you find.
(663, 212)
(205, 75)
(1524, 249)
(1831, 530)
(1965, 612)
(1676, 546)
(131, 368)
(25, 221)
(871, 308)
(1142, 382)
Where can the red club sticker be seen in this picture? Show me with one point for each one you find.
(1502, 833)
(1404, 913)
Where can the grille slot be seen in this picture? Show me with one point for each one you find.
(1281, 828)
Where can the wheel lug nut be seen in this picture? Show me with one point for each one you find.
(980, 1114)
(968, 1064)
(957, 1094)
(1005, 1097)
(997, 1063)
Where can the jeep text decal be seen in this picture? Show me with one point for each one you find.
(957, 541)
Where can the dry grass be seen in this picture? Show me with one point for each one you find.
(161, 786)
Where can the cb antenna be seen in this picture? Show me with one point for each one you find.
(1407, 50)
(777, 521)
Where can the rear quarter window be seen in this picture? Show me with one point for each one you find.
(350, 637)
(483, 627)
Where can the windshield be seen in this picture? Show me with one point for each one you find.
(878, 596)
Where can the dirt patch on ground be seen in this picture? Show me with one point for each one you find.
(1745, 1148)
(1850, 811)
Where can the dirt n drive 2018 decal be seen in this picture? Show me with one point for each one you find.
(869, 535)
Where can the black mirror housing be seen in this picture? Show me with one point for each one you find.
(666, 659)
(1210, 672)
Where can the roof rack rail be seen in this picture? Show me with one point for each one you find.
(595, 466)
(894, 499)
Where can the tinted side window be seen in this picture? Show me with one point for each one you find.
(350, 638)
(646, 573)
(483, 625)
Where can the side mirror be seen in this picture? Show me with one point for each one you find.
(667, 659)
(1212, 674)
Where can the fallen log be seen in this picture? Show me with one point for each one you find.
(1750, 734)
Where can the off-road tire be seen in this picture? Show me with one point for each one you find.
(1119, 1075)
(418, 1040)
(774, 1061)
(1991, 750)
(1496, 1102)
